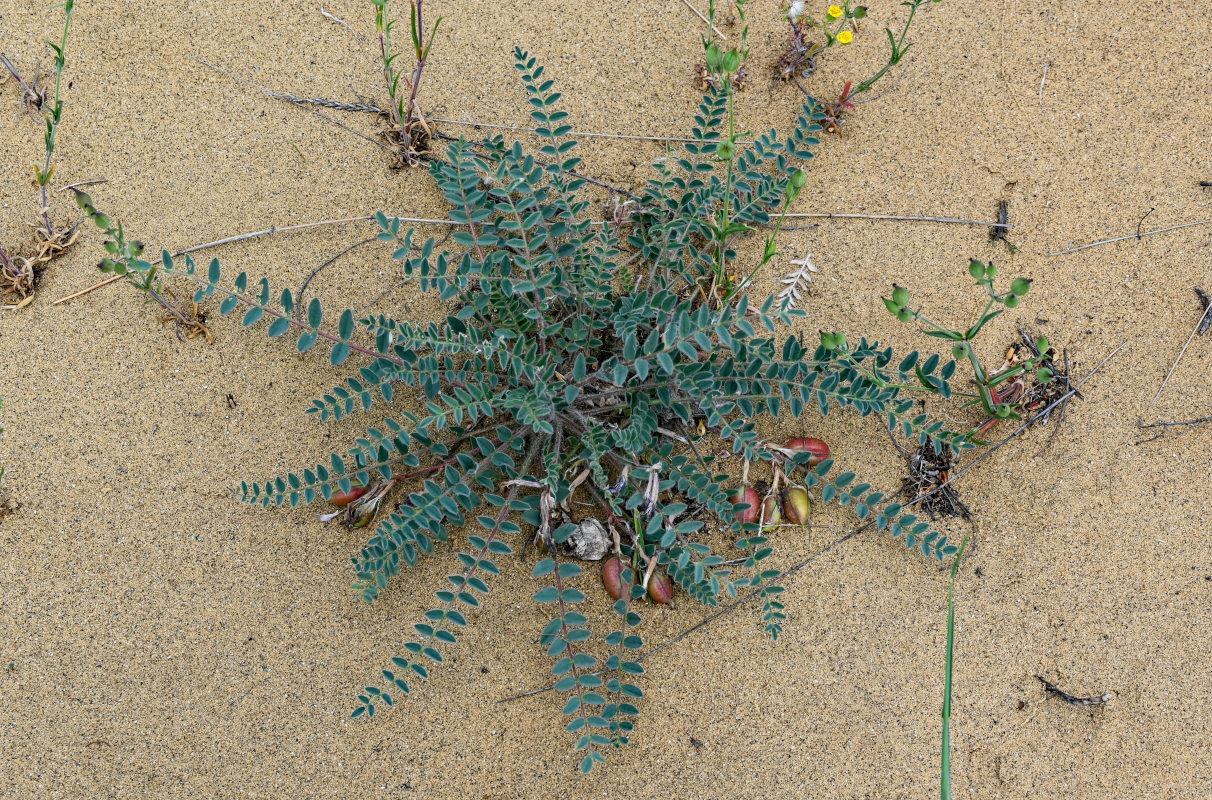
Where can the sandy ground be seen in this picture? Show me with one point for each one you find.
(167, 642)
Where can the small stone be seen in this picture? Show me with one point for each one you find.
(590, 541)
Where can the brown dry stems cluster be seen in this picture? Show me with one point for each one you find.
(21, 269)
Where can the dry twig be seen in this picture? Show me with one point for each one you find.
(954, 220)
(1136, 235)
(1202, 322)
(699, 14)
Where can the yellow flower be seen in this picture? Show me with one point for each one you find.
(835, 12)
(845, 37)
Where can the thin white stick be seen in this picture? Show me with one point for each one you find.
(83, 183)
(1181, 353)
(1112, 42)
(1129, 236)
(334, 17)
(904, 219)
(698, 13)
(1041, 87)
(255, 234)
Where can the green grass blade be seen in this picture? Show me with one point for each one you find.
(945, 782)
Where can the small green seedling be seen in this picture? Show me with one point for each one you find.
(898, 306)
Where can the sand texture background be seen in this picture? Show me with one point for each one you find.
(171, 643)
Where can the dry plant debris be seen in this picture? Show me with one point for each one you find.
(1073, 700)
(35, 93)
(796, 282)
(928, 478)
(189, 320)
(21, 272)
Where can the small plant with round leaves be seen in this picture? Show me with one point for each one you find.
(987, 383)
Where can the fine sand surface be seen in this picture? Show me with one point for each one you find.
(168, 642)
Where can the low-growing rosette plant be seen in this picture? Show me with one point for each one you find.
(599, 362)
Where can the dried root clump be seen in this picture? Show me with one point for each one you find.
(410, 141)
(18, 278)
(20, 273)
(50, 244)
(929, 470)
(8, 505)
(188, 318)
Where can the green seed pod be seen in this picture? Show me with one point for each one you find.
(891, 305)
(732, 60)
(900, 295)
(959, 352)
(1020, 286)
(976, 269)
(798, 179)
(1012, 301)
(990, 271)
(796, 506)
(1042, 344)
(725, 150)
(905, 315)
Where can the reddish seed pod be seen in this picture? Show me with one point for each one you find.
(747, 494)
(796, 506)
(660, 588)
(342, 499)
(612, 576)
(806, 444)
